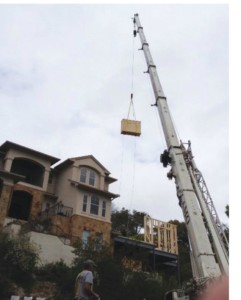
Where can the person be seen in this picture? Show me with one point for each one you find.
(84, 283)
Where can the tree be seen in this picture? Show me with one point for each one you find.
(183, 251)
(110, 283)
(18, 260)
(108, 274)
(85, 251)
(140, 285)
(127, 223)
(61, 275)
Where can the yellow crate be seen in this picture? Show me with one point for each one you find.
(130, 127)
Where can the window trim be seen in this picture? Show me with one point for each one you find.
(88, 176)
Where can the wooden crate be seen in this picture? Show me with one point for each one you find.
(130, 127)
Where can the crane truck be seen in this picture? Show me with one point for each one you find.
(207, 238)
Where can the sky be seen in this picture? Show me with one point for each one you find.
(66, 75)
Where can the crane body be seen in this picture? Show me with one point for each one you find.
(207, 240)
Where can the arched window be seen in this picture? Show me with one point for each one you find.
(20, 205)
(33, 171)
(83, 175)
(87, 176)
(92, 177)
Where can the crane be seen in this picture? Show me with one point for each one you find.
(208, 242)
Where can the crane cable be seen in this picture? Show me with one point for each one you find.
(132, 105)
(131, 109)
(132, 80)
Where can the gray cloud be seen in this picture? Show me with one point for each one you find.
(66, 84)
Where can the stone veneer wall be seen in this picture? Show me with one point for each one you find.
(5, 202)
(75, 225)
(37, 199)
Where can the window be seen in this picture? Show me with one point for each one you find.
(83, 174)
(85, 239)
(87, 176)
(85, 200)
(94, 207)
(98, 241)
(103, 208)
(92, 178)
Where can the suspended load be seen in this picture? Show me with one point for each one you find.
(128, 126)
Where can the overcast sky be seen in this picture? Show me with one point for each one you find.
(66, 75)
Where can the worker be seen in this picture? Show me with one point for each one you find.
(84, 283)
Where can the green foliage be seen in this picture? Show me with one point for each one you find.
(89, 251)
(6, 286)
(127, 223)
(18, 260)
(139, 286)
(110, 274)
(62, 275)
(183, 251)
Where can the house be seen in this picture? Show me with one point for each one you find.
(72, 195)
(58, 203)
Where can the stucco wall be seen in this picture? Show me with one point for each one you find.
(13, 153)
(65, 192)
(51, 248)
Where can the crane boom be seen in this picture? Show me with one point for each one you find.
(208, 258)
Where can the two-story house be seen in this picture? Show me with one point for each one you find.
(73, 194)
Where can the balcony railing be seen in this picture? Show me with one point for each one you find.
(57, 209)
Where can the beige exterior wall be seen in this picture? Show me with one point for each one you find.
(72, 196)
(79, 210)
(13, 153)
(63, 189)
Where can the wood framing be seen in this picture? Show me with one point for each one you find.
(161, 234)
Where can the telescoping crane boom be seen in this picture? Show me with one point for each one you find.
(208, 243)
